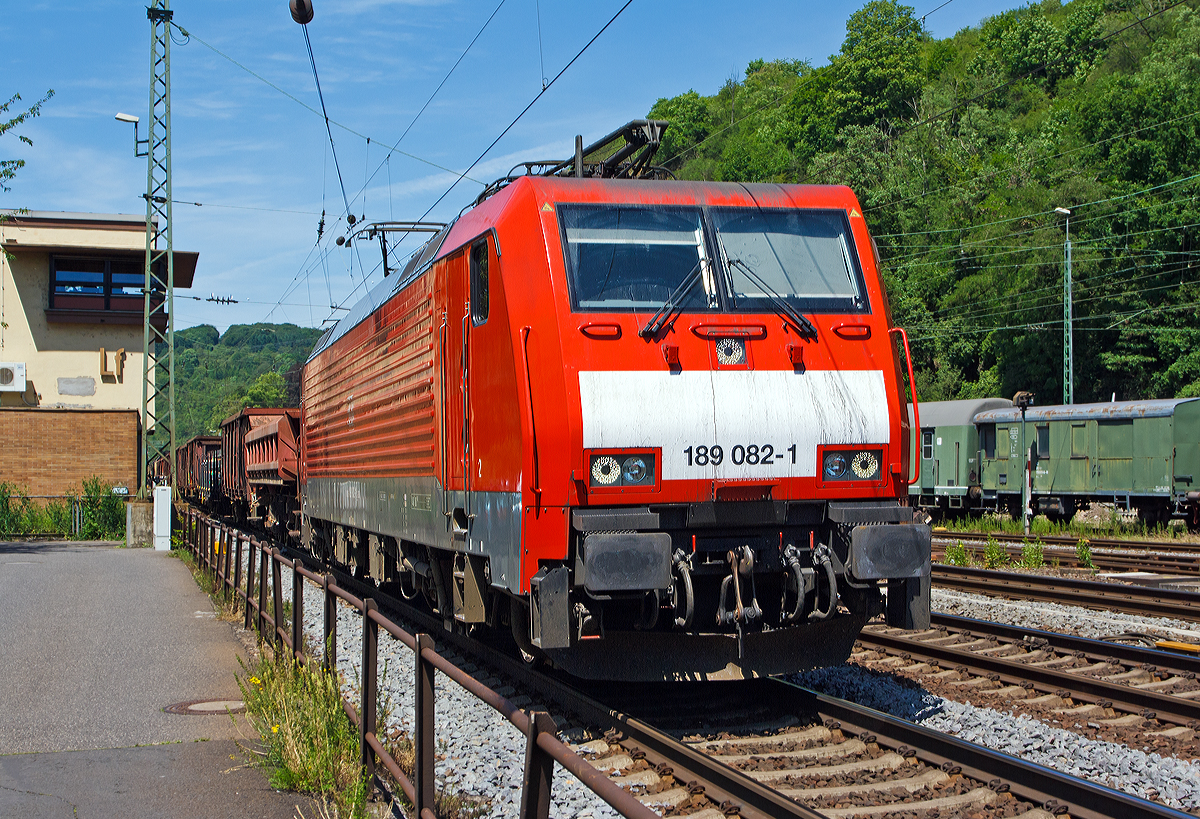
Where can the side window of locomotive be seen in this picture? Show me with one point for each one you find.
(805, 256)
(479, 282)
(624, 258)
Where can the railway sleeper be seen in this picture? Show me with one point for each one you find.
(889, 761)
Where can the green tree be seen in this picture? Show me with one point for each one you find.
(9, 167)
(879, 67)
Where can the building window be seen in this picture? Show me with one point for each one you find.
(927, 445)
(96, 284)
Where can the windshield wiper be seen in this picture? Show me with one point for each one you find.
(782, 308)
(659, 319)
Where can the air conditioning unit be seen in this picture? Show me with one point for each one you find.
(12, 376)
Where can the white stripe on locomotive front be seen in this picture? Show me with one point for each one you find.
(733, 408)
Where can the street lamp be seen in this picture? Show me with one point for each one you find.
(1068, 329)
(136, 142)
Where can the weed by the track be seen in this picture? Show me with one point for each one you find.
(1083, 553)
(956, 555)
(308, 744)
(1032, 556)
(995, 556)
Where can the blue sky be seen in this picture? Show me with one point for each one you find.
(260, 162)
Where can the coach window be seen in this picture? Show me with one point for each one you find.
(1078, 440)
(1043, 441)
(927, 445)
(479, 282)
(987, 440)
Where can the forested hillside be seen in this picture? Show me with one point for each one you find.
(216, 375)
(961, 149)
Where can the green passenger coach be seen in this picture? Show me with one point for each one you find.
(949, 451)
(1140, 455)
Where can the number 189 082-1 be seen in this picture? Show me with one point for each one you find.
(752, 454)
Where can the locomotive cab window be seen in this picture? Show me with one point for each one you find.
(479, 282)
(804, 256)
(622, 258)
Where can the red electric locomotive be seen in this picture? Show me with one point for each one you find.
(658, 428)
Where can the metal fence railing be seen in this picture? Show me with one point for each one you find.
(220, 550)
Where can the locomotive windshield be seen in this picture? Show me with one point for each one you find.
(633, 258)
(805, 256)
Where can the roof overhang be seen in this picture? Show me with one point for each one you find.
(185, 260)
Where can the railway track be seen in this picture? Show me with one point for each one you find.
(1139, 600)
(1128, 692)
(777, 750)
(1108, 554)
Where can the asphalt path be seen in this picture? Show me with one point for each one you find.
(96, 641)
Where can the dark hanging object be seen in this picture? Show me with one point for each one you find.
(302, 11)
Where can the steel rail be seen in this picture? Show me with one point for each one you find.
(1185, 548)
(1139, 600)
(1132, 655)
(1120, 561)
(1045, 680)
(1072, 540)
(1026, 780)
(722, 783)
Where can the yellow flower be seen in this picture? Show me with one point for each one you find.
(256, 680)
(275, 729)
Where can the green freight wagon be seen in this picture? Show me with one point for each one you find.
(949, 444)
(1140, 455)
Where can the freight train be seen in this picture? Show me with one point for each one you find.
(248, 473)
(654, 429)
(1140, 456)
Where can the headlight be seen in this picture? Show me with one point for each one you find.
(605, 470)
(835, 465)
(634, 469)
(615, 469)
(853, 465)
(865, 465)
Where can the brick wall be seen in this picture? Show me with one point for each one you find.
(51, 451)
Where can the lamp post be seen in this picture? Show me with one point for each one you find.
(1068, 330)
(137, 143)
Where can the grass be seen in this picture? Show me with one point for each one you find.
(1032, 556)
(1114, 526)
(994, 555)
(224, 601)
(102, 514)
(1083, 553)
(308, 744)
(956, 555)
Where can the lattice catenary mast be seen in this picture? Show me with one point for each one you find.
(158, 294)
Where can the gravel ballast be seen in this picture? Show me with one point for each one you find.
(480, 754)
(1172, 781)
(1060, 618)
